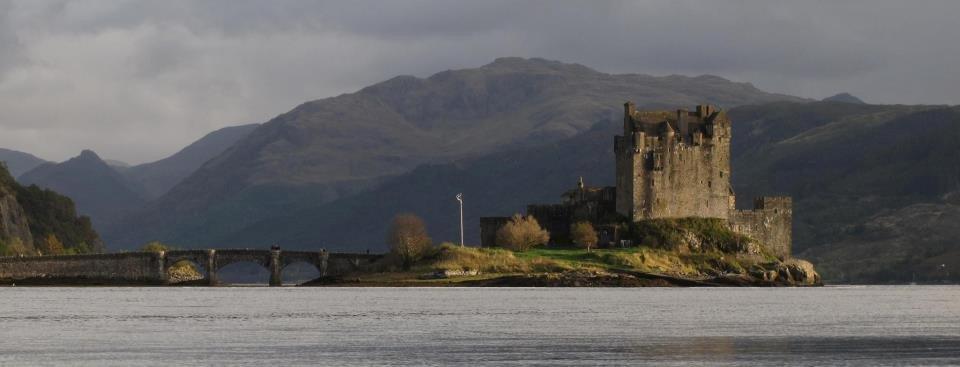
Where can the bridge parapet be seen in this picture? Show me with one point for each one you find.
(151, 267)
(131, 267)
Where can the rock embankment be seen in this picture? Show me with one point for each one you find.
(790, 272)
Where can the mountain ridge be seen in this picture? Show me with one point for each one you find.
(18, 162)
(846, 204)
(98, 190)
(329, 147)
(160, 176)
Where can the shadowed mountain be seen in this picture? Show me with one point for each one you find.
(117, 164)
(325, 149)
(97, 189)
(19, 162)
(874, 188)
(858, 174)
(156, 178)
(498, 184)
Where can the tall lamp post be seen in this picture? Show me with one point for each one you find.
(460, 199)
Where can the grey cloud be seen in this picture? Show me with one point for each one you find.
(12, 50)
(136, 80)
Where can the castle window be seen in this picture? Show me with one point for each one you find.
(709, 183)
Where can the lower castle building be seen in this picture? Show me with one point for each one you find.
(669, 164)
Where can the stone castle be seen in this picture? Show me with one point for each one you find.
(669, 164)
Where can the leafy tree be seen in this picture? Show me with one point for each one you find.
(14, 247)
(50, 245)
(49, 212)
(156, 246)
(522, 233)
(583, 235)
(408, 239)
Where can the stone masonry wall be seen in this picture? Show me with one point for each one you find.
(770, 223)
(672, 165)
(125, 267)
(488, 230)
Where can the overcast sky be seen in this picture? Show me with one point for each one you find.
(138, 80)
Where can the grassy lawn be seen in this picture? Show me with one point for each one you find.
(643, 259)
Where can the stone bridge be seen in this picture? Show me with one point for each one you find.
(151, 267)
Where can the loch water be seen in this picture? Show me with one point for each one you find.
(256, 326)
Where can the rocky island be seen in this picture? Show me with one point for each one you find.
(671, 219)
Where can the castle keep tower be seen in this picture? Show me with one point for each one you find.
(669, 164)
(673, 164)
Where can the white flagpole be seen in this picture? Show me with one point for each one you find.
(460, 199)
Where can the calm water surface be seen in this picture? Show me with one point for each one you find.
(869, 326)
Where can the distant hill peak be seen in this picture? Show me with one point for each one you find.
(88, 154)
(535, 63)
(98, 190)
(844, 98)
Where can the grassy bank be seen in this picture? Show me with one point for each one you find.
(451, 265)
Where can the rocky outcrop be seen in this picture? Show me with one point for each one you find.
(29, 214)
(13, 221)
(790, 272)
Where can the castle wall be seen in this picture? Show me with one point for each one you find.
(770, 223)
(555, 218)
(488, 230)
(671, 166)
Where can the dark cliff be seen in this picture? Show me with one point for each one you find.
(31, 218)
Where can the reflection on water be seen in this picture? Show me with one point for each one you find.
(867, 326)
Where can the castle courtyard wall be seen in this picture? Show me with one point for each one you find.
(770, 223)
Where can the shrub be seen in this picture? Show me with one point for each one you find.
(522, 233)
(156, 246)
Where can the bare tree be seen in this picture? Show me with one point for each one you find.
(522, 233)
(582, 234)
(408, 238)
